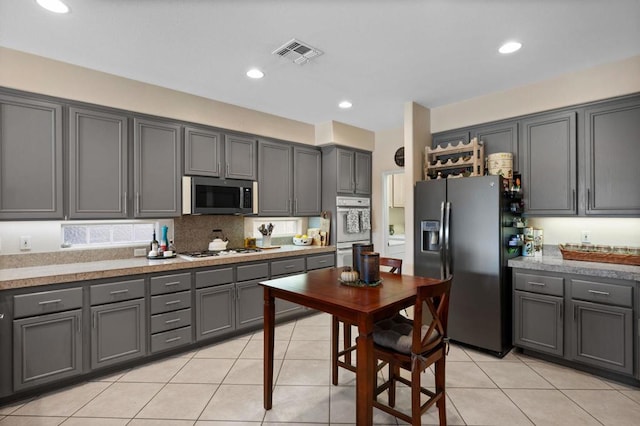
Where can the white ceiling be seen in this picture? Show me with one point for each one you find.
(378, 54)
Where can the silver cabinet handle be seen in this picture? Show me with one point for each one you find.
(49, 302)
(137, 202)
(322, 261)
(602, 293)
(573, 201)
(125, 203)
(174, 339)
(172, 302)
(218, 168)
(227, 169)
(538, 284)
(172, 283)
(171, 321)
(1, 316)
(114, 292)
(561, 311)
(289, 266)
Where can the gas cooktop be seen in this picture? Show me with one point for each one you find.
(210, 253)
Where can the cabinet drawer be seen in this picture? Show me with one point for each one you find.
(253, 272)
(170, 302)
(46, 302)
(170, 283)
(116, 292)
(170, 320)
(321, 261)
(610, 294)
(287, 266)
(214, 277)
(170, 339)
(540, 284)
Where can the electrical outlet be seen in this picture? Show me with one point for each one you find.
(139, 252)
(585, 237)
(25, 243)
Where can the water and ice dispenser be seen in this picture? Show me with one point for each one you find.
(430, 231)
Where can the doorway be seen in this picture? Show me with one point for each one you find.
(393, 213)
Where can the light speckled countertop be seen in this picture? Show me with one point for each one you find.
(558, 264)
(54, 274)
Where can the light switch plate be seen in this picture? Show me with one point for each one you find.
(25, 243)
(585, 237)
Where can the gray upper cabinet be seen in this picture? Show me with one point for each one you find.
(362, 181)
(346, 170)
(452, 137)
(98, 146)
(611, 154)
(501, 137)
(240, 157)
(275, 179)
(30, 159)
(307, 181)
(157, 159)
(548, 164)
(349, 170)
(202, 152)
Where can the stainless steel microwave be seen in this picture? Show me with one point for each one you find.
(207, 195)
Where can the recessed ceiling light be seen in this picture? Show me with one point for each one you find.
(55, 6)
(345, 104)
(510, 47)
(255, 73)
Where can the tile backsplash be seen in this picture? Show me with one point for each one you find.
(192, 233)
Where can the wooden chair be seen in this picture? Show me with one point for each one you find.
(424, 345)
(349, 347)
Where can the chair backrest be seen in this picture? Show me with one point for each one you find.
(395, 264)
(436, 298)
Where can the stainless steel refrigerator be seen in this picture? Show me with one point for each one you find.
(459, 225)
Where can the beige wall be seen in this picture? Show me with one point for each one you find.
(334, 132)
(604, 81)
(23, 71)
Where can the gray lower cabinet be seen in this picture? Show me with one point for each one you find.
(47, 337)
(250, 294)
(602, 328)
(31, 175)
(611, 158)
(502, 137)
(282, 268)
(118, 322)
(170, 311)
(548, 164)
(538, 322)
(215, 302)
(157, 165)
(98, 165)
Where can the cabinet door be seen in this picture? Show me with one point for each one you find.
(240, 157)
(202, 152)
(307, 182)
(548, 169)
(611, 157)
(346, 171)
(276, 179)
(451, 137)
(118, 332)
(249, 304)
(603, 336)
(98, 144)
(30, 159)
(363, 173)
(538, 323)
(157, 160)
(499, 138)
(215, 311)
(397, 200)
(46, 348)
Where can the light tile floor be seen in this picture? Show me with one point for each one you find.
(221, 385)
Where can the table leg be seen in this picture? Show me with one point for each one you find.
(365, 378)
(269, 321)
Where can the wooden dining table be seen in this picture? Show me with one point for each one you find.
(363, 306)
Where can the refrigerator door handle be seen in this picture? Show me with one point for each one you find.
(441, 241)
(447, 248)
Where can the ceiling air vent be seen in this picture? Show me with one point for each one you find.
(297, 51)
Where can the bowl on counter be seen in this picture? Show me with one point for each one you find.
(300, 241)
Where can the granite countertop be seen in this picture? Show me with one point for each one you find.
(555, 263)
(54, 274)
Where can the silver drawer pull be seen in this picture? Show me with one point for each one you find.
(289, 266)
(119, 291)
(173, 302)
(538, 284)
(174, 339)
(171, 321)
(172, 283)
(49, 302)
(322, 261)
(602, 293)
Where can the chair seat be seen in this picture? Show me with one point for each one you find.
(395, 333)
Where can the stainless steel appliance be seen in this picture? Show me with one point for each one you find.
(345, 236)
(459, 230)
(207, 195)
(210, 253)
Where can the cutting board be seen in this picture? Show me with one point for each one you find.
(268, 248)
